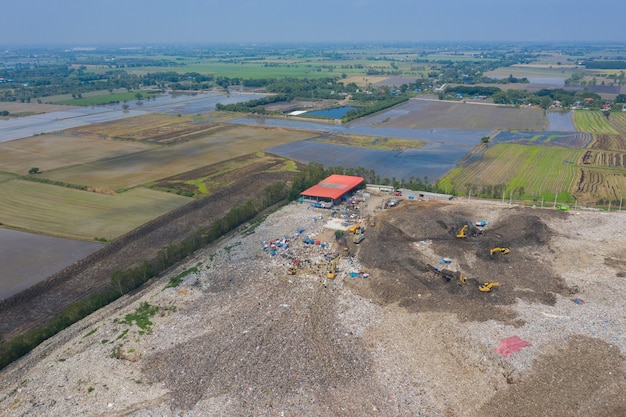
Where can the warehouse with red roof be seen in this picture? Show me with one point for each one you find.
(330, 191)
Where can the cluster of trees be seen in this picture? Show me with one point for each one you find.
(31, 82)
(546, 97)
(472, 72)
(374, 107)
(592, 64)
(474, 90)
(252, 106)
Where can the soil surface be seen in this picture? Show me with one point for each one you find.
(402, 329)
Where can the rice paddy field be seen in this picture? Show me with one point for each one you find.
(434, 114)
(76, 214)
(541, 171)
(587, 167)
(131, 170)
(108, 166)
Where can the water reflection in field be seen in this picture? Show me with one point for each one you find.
(26, 258)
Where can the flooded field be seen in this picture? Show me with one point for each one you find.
(26, 258)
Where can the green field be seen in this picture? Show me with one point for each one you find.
(65, 212)
(541, 172)
(619, 120)
(593, 121)
(104, 98)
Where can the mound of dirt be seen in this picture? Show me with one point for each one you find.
(403, 329)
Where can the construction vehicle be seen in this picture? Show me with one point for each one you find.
(358, 236)
(462, 234)
(487, 286)
(332, 268)
(354, 228)
(449, 275)
(503, 251)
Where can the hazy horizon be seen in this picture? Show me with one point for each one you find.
(70, 22)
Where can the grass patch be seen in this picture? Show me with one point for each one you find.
(141, 316)
(381, 143)
(90, 333)
(123, 334)
(101, 99)
(176, 280)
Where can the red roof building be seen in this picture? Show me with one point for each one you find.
(333, 188)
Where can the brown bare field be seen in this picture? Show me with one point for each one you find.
(158, 128)
(127, 171)
(422, 114)
(602, 170)
(48, 152)
(364, 80)
(18, 108)
(606, 184)
(609, 142)
(210, 179)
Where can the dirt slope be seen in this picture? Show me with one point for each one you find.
(389, 336)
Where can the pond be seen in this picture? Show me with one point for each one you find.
(561, 121)
(336, 113)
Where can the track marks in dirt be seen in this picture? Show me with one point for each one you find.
(525, 273)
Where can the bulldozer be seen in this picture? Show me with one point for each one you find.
(503, 251)
(487, 286)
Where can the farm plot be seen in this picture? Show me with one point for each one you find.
(206, 180)
(596, 184)
(559, 139)
(618, 120)
(541, 171)
(561, 121)
(605, 159)
(65, 212)
(422, 114)
(158, 128)
(128, 171)
(48, 152)
(383, 143)
(432, 160)
(609, 142)
(593, 121)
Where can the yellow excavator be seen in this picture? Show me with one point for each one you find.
(355, 228)
(503, 251)
(462, 234)
(332, 268)
(487, 286)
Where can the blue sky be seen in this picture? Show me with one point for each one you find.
(83, 22)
